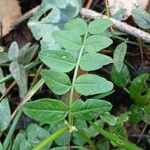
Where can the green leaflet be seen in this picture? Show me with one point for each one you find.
(121, 78)
(58, 82)
(30, 137)
(90, 84)
(119, 55)
(3, 57)
(94, 61)
(2, 85)
(46, 110)
(89, 109)
(13, 52)
(98, 26)
(140, 96)
(5, 114)
(95, 43)
(19, 74)
(1, 49)
(68, 39)
(59, 60)
(141, 18)
(77, 25)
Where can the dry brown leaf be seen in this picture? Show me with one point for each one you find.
(9, 12)
(127, 5)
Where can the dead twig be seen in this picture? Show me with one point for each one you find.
(124, 27)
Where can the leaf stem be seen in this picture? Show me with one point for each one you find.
(70, 118)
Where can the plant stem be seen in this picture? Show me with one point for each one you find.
(70, 119)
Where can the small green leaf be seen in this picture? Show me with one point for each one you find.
(98, 26)
(60, 60)
(121, 78)
(33, 135)
(124, 117)
(139, 90)
(19, 74)
(3, 57)
(21, 136)
(68, 39)
(119, 55)
(136, 114)
(147, 109)
(13, 51)
(103, 144)
(58, 82)
(95, 43)
(77, 25)
(89, 109)
(36, 134)
(5, 115)
(1, 146)
(90, 84)
(1, 49)
(78, 137)
(25, 144)
(110, 119)
(2, 85)
(120, 131)
(46, 110)
(141, 18)
(94, 61)
(119, 15)
(146, 118)
(51, 138)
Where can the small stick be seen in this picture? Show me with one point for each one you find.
(124, 27)
(89, 3)
(25, 16)
(1, 33)
(140, 136)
